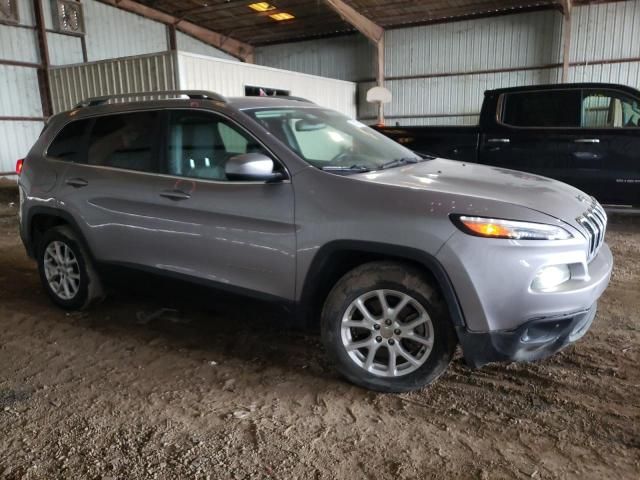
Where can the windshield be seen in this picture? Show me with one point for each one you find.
(331, 141)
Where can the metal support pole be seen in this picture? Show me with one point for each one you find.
(380, 76)
(566, 39)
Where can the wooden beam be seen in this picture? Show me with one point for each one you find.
(369, 29)
(233, 47)
(566, 38)
(43, 70)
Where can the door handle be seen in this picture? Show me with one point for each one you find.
(587, 140)
(175, 195)
(77, 182)
(498, 140)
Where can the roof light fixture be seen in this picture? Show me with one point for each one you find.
(281, 16)
(261, 6)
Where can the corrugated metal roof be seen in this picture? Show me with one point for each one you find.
(314, 18)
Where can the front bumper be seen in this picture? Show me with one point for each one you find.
(505, 319)
(536, 339)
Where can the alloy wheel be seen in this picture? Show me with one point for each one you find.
(387, 333)
(61, 269)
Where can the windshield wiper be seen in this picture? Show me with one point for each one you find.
(351, 169)
(400, 161)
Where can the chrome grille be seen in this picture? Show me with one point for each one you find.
(594, 223)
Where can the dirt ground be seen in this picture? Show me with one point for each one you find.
(220, 388)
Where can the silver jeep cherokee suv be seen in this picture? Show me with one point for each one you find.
(398, 257)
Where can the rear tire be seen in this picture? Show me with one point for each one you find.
(66, 270)
(387, 329)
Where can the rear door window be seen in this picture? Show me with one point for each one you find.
(69, 145)
(127, 141)
(549, 108)
(609, 109)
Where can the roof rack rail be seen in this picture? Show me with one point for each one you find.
(192, 94)
(297, 99)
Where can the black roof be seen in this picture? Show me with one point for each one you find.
(557, 86)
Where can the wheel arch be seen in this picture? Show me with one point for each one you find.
(40, 219)
(336, 258)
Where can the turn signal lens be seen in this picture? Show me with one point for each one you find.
(488, 229)
(19, 165)
(499, 228)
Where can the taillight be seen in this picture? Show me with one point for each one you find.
(19, 165)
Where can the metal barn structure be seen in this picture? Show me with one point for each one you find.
(436, 57)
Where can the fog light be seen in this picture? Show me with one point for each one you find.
(550, 277)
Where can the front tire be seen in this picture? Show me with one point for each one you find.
(387, 329)
(66, 270)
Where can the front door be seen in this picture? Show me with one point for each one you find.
(236, 233)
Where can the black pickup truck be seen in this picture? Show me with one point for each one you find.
(584, 134)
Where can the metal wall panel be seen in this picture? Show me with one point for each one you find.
(64, 49)
(19, 92)
(605, 31)
(25, 12)
(349, 57)
(455, 100)
(229, 78)
(18, 44)
(16, 139)
(503, 42)
(187, 43)
(626, 73)
(113, 33)
(47, 13)
(71, 84)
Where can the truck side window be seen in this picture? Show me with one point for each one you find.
(545, 108)
(609, 110)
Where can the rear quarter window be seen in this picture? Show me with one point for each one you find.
(69, 144)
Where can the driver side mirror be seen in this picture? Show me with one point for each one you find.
(251, 167)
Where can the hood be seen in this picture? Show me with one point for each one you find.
(538, 193)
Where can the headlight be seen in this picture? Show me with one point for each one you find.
(499, 228)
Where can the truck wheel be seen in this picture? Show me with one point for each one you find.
(66, 271)
(387, 329)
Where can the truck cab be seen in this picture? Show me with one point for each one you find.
(586, 135)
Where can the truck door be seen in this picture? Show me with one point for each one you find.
(606, 149)
(530, 132)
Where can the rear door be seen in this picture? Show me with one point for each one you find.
(107, 186)
(531, 133)
(606, 149)
(236, 233)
